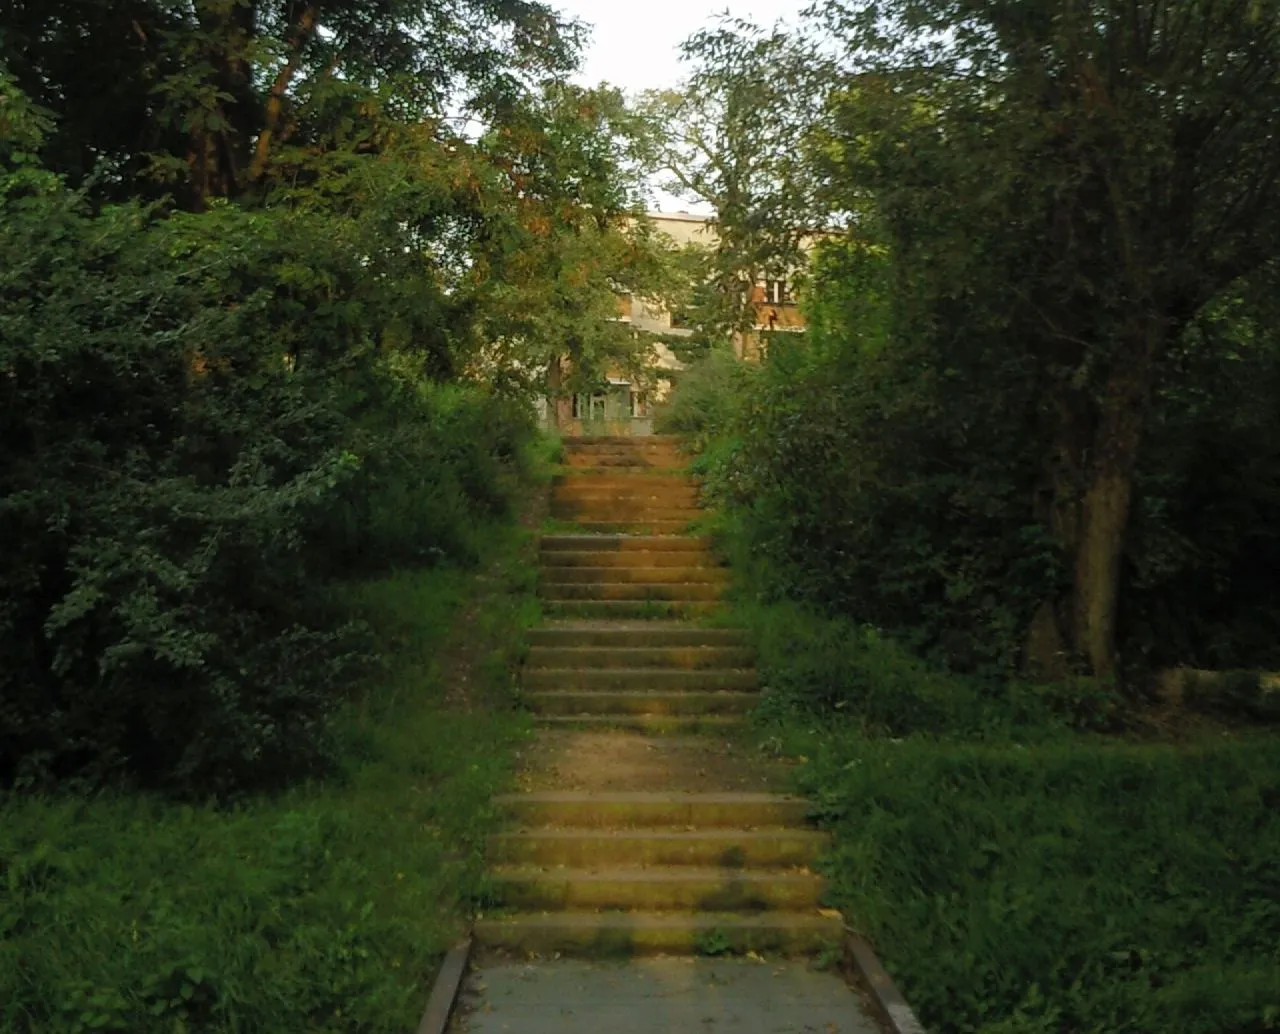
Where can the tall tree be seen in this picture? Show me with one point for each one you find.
(571, 166)
(197, 95)
(733, 136)
(1127, 151)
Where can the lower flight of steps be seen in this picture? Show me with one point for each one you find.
(644, 873)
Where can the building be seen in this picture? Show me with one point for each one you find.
(625, 408)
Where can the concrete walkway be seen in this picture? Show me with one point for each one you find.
(663, 995)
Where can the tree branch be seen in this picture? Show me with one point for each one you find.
(302, 34)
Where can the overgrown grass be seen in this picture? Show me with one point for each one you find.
(1065, 885)
(1021, 864)
(325, 909)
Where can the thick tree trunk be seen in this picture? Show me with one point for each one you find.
(1086, 504)
(1104, 510)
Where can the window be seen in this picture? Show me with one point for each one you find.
(639, 404)
(588, 407)
(776, 292)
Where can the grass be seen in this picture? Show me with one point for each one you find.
(325, 909)
(1018, 869)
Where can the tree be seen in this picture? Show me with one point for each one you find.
(1126, 152)
(571, 167)
(197, 97)
(733, 136)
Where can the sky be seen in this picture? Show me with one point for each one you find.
(634, 43)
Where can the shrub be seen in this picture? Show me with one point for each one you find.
(199, 429)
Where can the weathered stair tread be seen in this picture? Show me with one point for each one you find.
(616, 542)
(619, 809)
(729, 848)
(633, 574)
(694, 656)
(656, 724)
(622, 933)
(630, 608)
(697, 679)
(568, 560)
(641, 703)
(662, 888)
(648, 634)
(660, 592)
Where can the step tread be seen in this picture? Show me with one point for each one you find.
(762, 834)
(661, 797)
(656, 930)
(655, 874)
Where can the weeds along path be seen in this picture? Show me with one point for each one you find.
(640, 826)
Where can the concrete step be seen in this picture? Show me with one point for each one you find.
(680, 657)
(622, 512)
(575, 441)
(637, 527)
(661, 889)
(689, 560)
(629, 591)
(584, 468)
(641, 575)
(580, 481)
(741, 811)
(728, 848)
(670, 680)
(662, 450)
(618, 610)
(651, 634)
(618, 462)
(650, 724)
(637, 933)
(568, 703)
(615, 543)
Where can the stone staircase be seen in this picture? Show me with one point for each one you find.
(665, 868)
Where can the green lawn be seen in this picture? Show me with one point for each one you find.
(324, 909)
(1016, 872)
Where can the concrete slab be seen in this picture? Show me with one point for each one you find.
(666, 995)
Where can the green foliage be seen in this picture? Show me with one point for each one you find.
(1204, 554)
(705, 396)
(193, 409)
(324, 909)
(195, 99)
(872, 487)
(1092, 887)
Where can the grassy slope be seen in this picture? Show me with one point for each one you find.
(326, 909)
(1019, 875)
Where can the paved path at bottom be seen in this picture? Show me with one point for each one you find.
(663, 995)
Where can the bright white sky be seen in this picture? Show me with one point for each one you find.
(634, 42)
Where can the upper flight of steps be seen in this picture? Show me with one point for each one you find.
(631, 503)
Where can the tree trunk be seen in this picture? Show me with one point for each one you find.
(1085, 503)
(555, 383)
(1108, 494)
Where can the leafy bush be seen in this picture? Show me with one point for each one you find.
(326, 908)
(192, 410)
